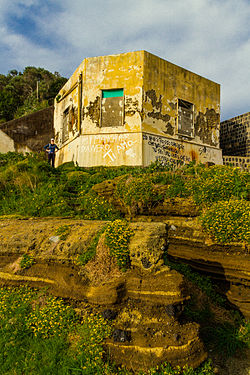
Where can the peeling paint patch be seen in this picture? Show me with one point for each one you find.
(93, 111)
(156, 113)
(131, 106)
(204, 126)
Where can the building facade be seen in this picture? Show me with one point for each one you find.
(235, 141)
(136, 108)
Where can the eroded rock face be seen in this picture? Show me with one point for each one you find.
(144, 303)
(229, 265)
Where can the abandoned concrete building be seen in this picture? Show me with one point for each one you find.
(235, 141)
(28, 133)
(135, 108)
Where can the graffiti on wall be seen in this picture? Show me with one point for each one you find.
(110, 145)
(166, 150)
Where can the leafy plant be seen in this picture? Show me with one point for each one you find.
(137, 192)
(94, 207)
(89, 254)
(27, 261)
(117, 237)
(63, 232)
(218, 183)
(225, 339)
(228, 221)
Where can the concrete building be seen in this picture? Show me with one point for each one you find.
(135, 108)
(28, 133)
(235, 141)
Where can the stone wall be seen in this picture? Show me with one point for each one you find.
(28, 133)
(235, 136)
(237, 161)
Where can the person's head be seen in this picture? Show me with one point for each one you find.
(52, 141)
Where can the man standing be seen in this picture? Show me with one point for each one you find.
(51, 148)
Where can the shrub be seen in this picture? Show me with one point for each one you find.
(166, 369)
(203, 282)
(225, 339)
(50, 319)
(218, 183)
(94, 207)
(117, 237)
(89, 350)
(137, 191)
(228, 221)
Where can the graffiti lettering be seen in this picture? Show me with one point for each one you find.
(166, 150)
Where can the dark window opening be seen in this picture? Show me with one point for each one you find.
(185, 118)
(112, 108)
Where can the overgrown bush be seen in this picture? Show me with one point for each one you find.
(136, 192)
(117, 237)
(93, 207)
(203, 282)
(227, 339)
(228, 221)
(218, 183)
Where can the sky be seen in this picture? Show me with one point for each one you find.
(208, 37)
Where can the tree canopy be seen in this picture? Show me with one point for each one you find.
(19, 95)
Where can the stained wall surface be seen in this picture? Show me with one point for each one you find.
(181, 114)
(95, 136)
(27, 133)
(135, 108)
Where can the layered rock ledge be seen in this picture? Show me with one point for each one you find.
(145, 303)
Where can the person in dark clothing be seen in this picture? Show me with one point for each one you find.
(51, 148)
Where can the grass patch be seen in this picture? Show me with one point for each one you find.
(89, 254)
(63, 231)
(27, 261)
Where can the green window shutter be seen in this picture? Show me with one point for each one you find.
(112, 93)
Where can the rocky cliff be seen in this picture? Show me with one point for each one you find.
(145, 302)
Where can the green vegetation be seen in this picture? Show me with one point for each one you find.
(40, 334)
(30, 187)
(117, 237)
(228, 221)
(203, 282)
(136, 192)
(27, 261)
(205, 369)
(89, 254)
(217, 183)
(94, 207)
(224, 338)
(18, 91)
(63, 232)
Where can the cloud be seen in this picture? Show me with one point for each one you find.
(209, 37)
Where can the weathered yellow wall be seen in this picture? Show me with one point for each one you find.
(151, 87)
(112, 145)
(103, 149)
(164, 84)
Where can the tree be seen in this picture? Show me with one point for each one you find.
(18, 91)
